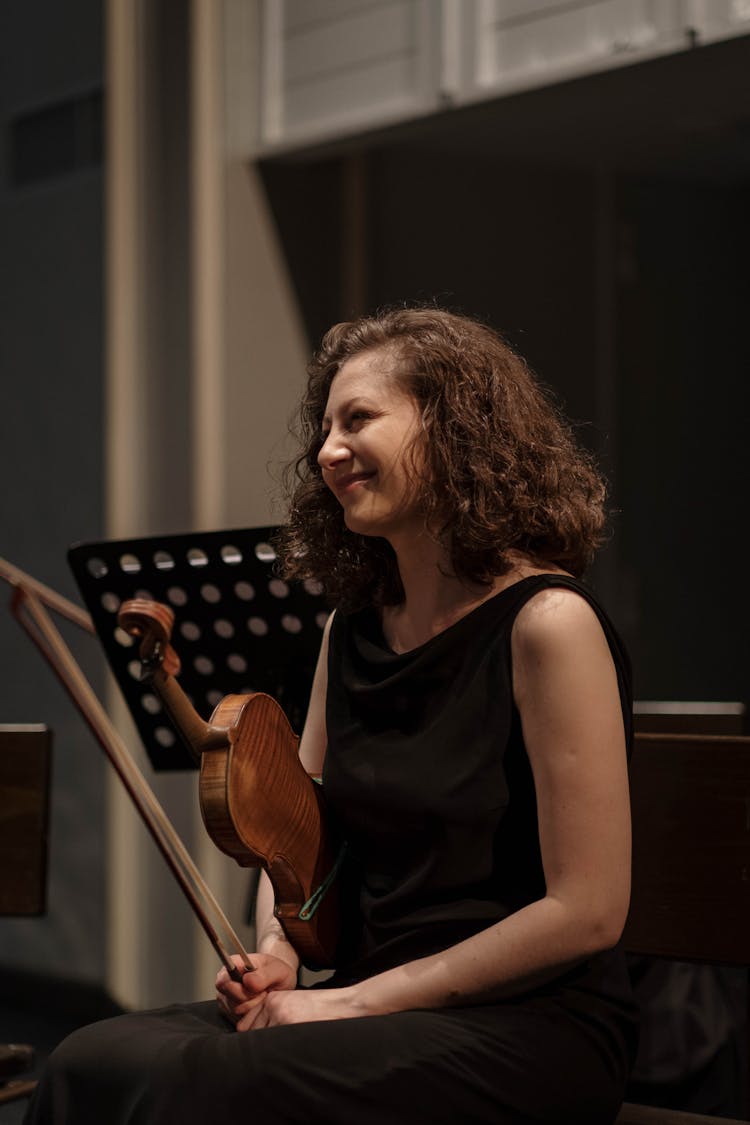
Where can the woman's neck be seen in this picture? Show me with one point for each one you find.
(434, 598)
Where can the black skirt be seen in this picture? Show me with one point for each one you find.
(515, 1062)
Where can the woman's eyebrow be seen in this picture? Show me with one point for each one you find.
(345, 407)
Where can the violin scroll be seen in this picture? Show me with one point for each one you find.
(152, 623)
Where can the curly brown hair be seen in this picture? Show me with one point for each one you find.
(503, 471)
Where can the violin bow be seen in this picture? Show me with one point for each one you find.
(28, 607)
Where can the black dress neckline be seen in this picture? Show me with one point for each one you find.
(378, 635)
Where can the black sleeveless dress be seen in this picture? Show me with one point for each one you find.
(427, 775)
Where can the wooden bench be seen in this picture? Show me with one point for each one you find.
(691, 863)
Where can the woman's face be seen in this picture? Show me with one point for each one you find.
(367, 457)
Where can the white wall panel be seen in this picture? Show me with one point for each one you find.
(528, 9)
(299, 14)
(363, 38)
(542, 40)
(718, 19)
(310, 104)
(331, 66)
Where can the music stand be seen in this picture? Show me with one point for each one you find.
(238, 626)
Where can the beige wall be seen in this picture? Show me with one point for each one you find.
(238, 369)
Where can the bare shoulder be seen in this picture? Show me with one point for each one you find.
(554, 623)
(562, 663)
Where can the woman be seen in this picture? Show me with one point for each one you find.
(470, 717)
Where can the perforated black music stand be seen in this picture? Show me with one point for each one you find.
(238, 626)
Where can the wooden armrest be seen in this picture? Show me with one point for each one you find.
(12, 1091)
(14, 1059)
(649, 1115)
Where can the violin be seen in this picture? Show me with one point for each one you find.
(258, 803)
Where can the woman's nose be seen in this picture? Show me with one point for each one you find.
(332, 451)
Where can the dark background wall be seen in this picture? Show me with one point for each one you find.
(685, 401)
(51, 440)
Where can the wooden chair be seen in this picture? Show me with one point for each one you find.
(25, 758)
(15, 1058)
(691, 863)
(688, 717)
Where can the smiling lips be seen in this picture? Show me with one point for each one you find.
(351, 480)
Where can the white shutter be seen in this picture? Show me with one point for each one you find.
(532, 42)
(335, 66)
(718, 19)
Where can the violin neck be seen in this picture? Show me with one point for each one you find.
(195, 732)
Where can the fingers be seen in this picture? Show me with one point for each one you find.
(223, 973)
(237, 990)
(256, 1018)
(236, 996)
(252, 984)
(244, 1002)
(270, 972)
(235, 1010)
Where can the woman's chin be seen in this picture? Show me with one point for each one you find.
(361, 525)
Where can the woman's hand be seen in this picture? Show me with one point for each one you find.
(304, 1006)
(241, 1000)
(268, 997)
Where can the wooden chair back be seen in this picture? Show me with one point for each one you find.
(690, 799)
(25, 755)
(688, 717)
(690, 899)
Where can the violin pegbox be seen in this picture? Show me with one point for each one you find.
(151, 623)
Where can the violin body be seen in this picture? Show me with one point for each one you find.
(259, 804)
(262, 808)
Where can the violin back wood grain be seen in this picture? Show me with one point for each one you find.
(262, 808)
